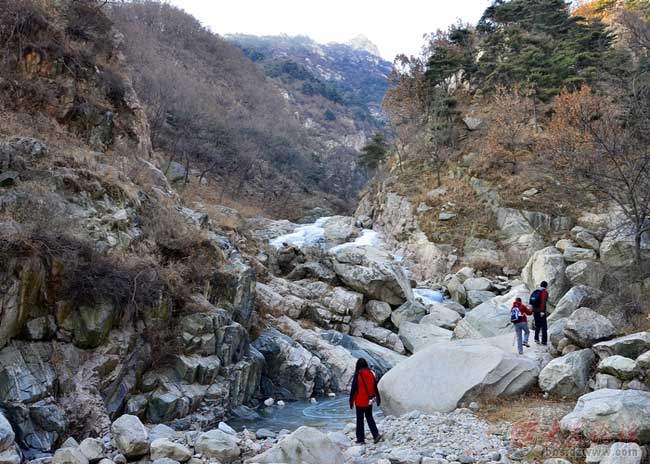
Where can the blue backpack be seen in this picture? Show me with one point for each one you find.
(515, 314)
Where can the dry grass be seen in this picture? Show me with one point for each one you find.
(533, 423)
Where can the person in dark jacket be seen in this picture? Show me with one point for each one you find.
(363, 393)
(540, 314)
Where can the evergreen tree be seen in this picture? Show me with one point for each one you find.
(374, 152)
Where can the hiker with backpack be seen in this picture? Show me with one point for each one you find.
(363, 394)
(538, 301)
(518, 317)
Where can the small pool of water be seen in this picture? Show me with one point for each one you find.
(328, 415)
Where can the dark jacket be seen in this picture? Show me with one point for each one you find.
(364, 387)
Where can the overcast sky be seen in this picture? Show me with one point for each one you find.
(395, 26)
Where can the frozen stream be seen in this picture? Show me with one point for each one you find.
(328, 414)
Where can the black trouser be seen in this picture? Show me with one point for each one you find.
(361, 436)
(540, 324)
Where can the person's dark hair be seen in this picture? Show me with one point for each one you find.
(544, 284)
(361, 364)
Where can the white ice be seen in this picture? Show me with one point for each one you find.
(428, 296)
(367, 238)
(307, 235)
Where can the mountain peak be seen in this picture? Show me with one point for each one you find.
(361, 42)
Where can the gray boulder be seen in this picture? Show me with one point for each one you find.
(165, 448)
(384, 337)
(630, 346)
(130, 436)
(585, 238)
(547, 265)
(478, 297)
(456, 289)
(415, 337)
(92, 324)
(487, 371)
(92, 448)
(175, 172)
(218, 445)
(588, 273)
(575, 254)
(568, 375)
(611, 415)
(586, 328)
(10, 456)
(69, 456)
(556, 331)
(618, 249)
(411, 311)
(577, 297)
(378, 311)
(619, 366)
(372, 272)
(602, 381)
(441, 315)
(643, 361)
(492, 317)
(478, 283)
(306, 445)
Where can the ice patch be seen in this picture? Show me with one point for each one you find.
(307, 235)
(367, 238)
(428, 296)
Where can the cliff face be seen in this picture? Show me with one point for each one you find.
(115, 296)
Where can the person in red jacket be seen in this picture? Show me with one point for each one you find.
(363, 393)
(521, 324)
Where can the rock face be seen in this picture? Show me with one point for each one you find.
(624, 453)
(411, 311)
(630, 346)
(547, 264)
(577, 297)
(586, 328)
(218, 445)
(611, 415)
(568, 375)
(431, 380)
(416, 337)
(306, 445)
(617, 248)
(7, 435)
(289, 366)
(491, 318)
(130, 436)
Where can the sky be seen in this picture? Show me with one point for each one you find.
(395, 26)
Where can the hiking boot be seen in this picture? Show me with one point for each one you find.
(378, 438)
(526, 345)
(537, 342)
(360, 442)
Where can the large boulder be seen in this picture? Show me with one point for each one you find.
(411, 311)
(165, 448)
(586, 327)
(619, 366)
(91, 324)
(478, 297)
(556, 331)
(618, 249)
(432, 381)
(456, 289)
(130, 436)
(589, 273)
(415, 337)
(611, 415)
(569, 374)
(218, 445)
(547, 265)
(630, 346)
(491, 318)
(574, 254)
(480, 252)
(378, 311)
(384, 337)
(289, 366)
(371, 271)
(69, 456)
(442, 316)
(306, 445)
(585, 238)
(381, 359)
(577, 297)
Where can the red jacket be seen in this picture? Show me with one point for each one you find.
(364, 387)
(523, 309)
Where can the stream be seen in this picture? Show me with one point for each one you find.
(329, 414)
